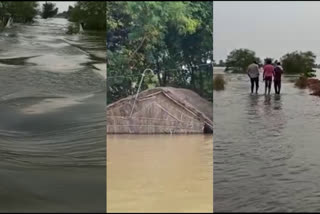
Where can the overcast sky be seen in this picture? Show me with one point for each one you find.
(271, 29)
(62, 5)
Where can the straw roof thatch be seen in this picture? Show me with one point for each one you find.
(161, 110)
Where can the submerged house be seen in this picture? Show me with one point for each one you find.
(162, 110)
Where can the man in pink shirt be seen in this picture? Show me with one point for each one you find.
(267, 75)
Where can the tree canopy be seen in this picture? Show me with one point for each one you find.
(298, 62)
(238, 60)
(20, 11)
(173, 38)
(91, 13)
(48, 10)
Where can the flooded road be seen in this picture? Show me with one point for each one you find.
(266, 149)
(159, 173)
(52, 119)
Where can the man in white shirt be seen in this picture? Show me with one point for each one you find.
(253, 73)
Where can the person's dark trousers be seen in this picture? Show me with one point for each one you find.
(277, 86)
(254, 81)
(268, 82)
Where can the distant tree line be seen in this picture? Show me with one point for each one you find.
(296, 62)
(172, 38)
(221, 63)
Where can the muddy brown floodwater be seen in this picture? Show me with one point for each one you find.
(159, 173)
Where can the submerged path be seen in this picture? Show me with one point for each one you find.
(266, 149)
(52, 120)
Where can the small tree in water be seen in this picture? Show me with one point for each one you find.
(48, 10)
(218, 82)
(299, 63)
(239, 59)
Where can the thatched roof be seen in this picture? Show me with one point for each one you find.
(185, 98)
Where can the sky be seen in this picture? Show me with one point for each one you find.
(271, 29)
(61, 5)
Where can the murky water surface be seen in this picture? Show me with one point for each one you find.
(159, 173)
(52, 119)
(266, 149)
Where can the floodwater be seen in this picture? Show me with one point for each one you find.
(159, 173)
(266, 149)
(52, 119)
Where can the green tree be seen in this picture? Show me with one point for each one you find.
(91, 13)
(298, 62)
(20, 11)
(174, 39)
(48, 10)
(239, 59)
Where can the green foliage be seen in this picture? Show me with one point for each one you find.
(299, 63)
(219, 82)
(48, 10)
(91, 13)
(239, 59)
(20, 11)
(171, 38)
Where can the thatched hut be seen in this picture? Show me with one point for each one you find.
(162, 110)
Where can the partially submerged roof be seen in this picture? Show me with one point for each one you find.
(185, 98)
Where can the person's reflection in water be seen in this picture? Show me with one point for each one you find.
(277, 102)
(253, 107)
(254, 100)
(267, 100)
(272, 117)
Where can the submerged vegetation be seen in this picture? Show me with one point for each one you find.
(173, 39)
(296, 62)
(299, 63)
(219, 82)
(239, 59)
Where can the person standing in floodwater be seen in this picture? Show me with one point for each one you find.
(253, 73)
(277, 73)
(268, 70)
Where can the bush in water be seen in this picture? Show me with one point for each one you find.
(238, 60)
(299, 62)
(218, 82)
